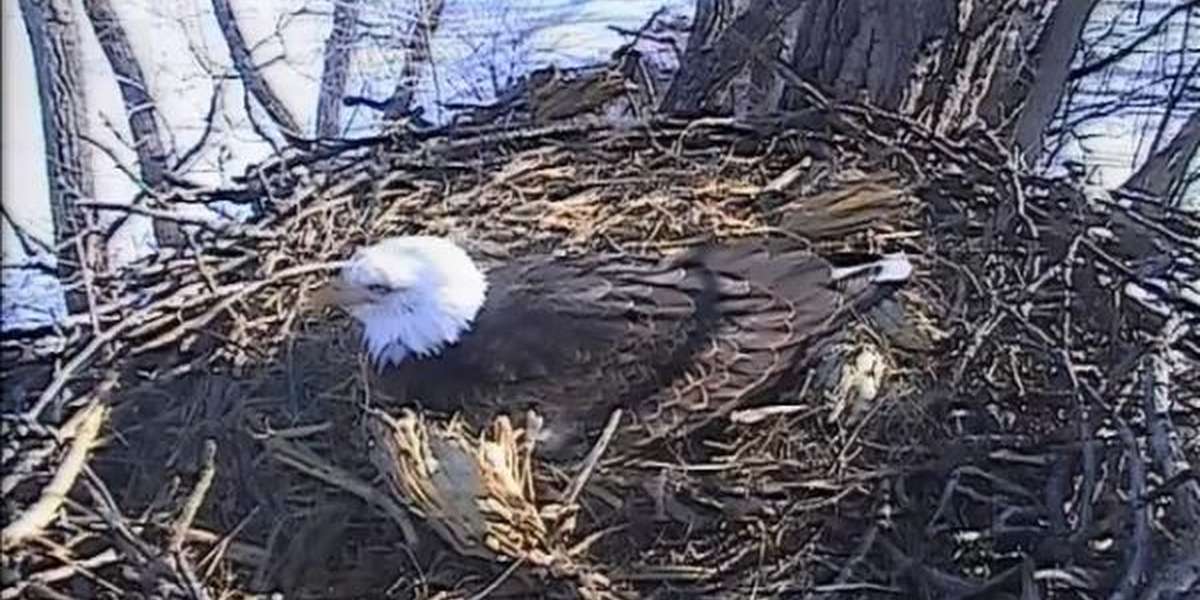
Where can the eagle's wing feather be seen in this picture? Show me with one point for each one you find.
(576, 337)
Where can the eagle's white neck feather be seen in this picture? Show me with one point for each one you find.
(425, 293)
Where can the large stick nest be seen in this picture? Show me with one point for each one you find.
(1033, 440)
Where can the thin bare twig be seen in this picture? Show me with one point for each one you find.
(208, 469)
(593, 458)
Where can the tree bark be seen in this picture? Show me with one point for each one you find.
(867, 50)
(337, 67)
(139, 109)
(1166, 171)
(416, 56)
(1045, 84)
(708, 68)
(54, 38)
(249, 73)
(951, 64)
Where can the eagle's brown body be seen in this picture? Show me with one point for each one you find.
(575, 337)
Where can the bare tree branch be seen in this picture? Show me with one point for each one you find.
(139, 107)
(54, 39)
(1166, 169)
(1120, 54)
(337, 67)
(250, 74)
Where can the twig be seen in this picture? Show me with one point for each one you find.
(1139, 550)
(302, 459)
(224, 546)
(42, 512)
(498, 581)
(187, 514)
(593, 458)
(1157, 405)
(230, 228)
(183, 569)
(34, 457)
(860, 552)
(72, 566)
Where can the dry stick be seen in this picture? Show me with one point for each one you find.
(1158, 404)
(35, 457)
(149, 562)
(593, 458)
(104, 508)
(238, 292)
(84, 566)
(224, 546)
(71, 565)
(499, 580)
(860, 553)
(185, 572)
(42, 512)
(1139, 553)
(187, 515)
(84, 355)
(304, 460)
(64, 374)
(215, 225)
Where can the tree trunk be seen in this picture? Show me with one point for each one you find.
(416, 56)
(54, 38)
(1041, 90)
(708, 67)
(337, 67)
(139, 109)
(249, 73)
(1165, 173)
(950, 64)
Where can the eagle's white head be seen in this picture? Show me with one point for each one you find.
(413, 294)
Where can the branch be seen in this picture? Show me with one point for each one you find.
(243, 63)
(337, 67)
(215, 104)
(1120, 54)
(1138, 554)
(42, 512)
(30, 243)
(191, 507)
(1166, 169)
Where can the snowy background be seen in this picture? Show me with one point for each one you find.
(480, 44)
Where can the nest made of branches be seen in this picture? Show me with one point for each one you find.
(1033, 440)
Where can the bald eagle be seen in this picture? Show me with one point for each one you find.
(575, 337)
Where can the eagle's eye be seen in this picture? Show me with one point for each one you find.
(378, 288)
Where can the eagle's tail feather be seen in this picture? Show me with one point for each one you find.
(889, 268)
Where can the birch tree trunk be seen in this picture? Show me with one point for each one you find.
(337, 67)
(139, 109)
(416, 58)
(54, 39)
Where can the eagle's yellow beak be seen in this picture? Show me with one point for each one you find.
(338, 293)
